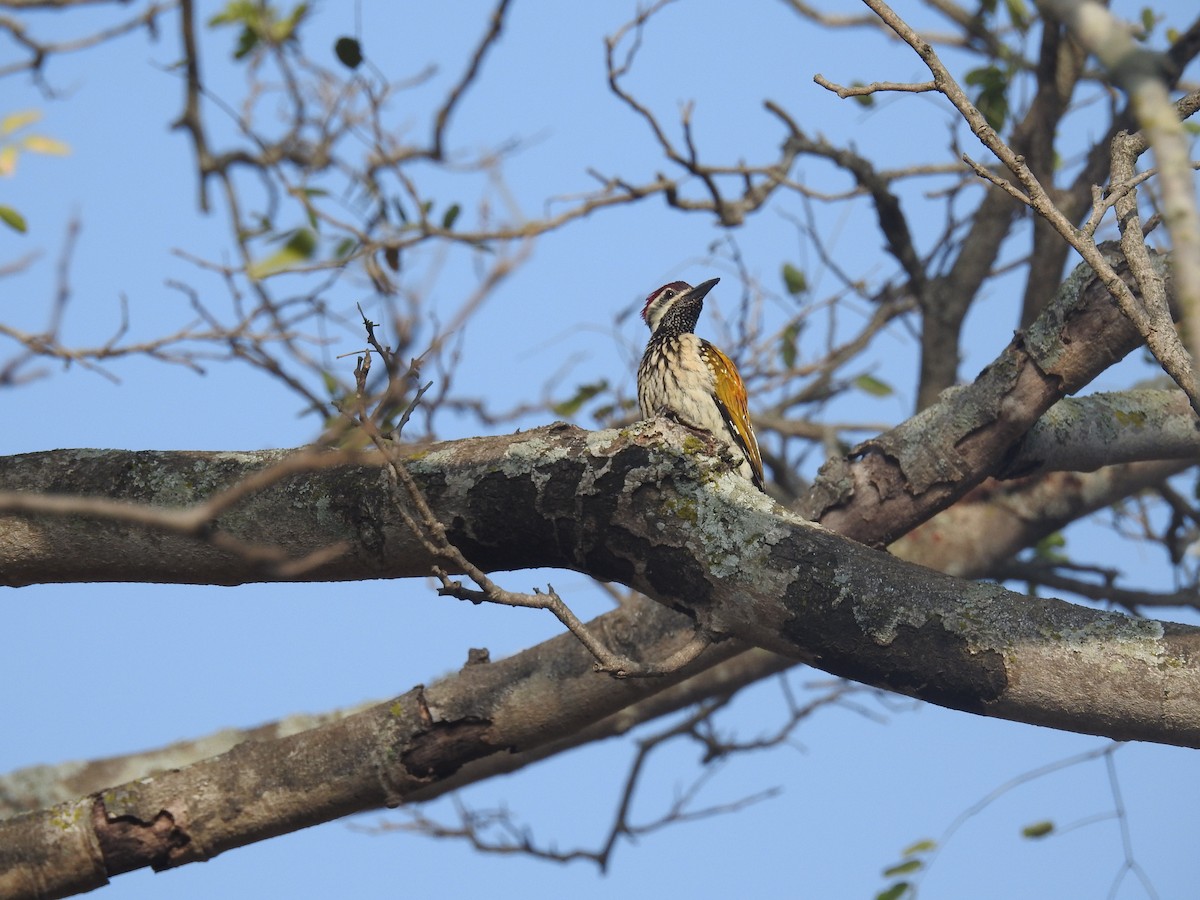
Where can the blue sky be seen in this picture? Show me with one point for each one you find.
(105, 669)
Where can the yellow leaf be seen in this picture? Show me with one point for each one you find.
(8, 160)
(39, 143)
(13, 121)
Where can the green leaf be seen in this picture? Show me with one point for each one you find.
(1149, 20)
(922, 846)
(349, 52)
(301, 245)
(895, 892)
(867, 100)
(235, 11)
(282, 30)
(583, 394)
(604, 413)
(332, 388)
(787, 344)
(794, 280)
(260, 22)
(1037, 829)
(869, 384)
(983, 76)
(1048, 548)
(909, 865)
(450, 215)
(302, 242)
(992, 98)
(247, 41)
(13, 219)
(1018, 12)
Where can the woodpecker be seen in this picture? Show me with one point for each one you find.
(687, 378)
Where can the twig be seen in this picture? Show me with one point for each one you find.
(1048, 575)
(1159, 340)
(437, 150)
(875, 87)
(1003, 183)
(433, 535)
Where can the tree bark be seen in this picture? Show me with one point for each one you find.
(622, 505)
(627, 506)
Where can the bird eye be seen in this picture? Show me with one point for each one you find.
(668, 294)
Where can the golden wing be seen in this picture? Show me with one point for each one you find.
(730, 396)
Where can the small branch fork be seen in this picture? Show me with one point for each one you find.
(757, 182)
(432, 533)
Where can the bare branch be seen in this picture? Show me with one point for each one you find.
(1050, 575)
(496, 23)
(1161, 341)
(1140, 74)
(40, 52)
(875, 87)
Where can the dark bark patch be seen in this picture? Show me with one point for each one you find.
(929, 661)
(447, 747)
(129, 843)
(932, 663)
(519, 538)
(673, 572)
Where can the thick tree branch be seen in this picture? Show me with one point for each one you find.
(1083, 434)
(625, 506)
(622, 506)
(890, 483)
(584, 501)
(988, 527)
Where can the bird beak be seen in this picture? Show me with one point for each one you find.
(701, 289)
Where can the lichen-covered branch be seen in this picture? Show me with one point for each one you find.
(1105, 429)
(625, 506)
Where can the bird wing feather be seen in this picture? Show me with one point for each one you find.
(730, 395)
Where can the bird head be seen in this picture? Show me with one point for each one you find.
(678, 303)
